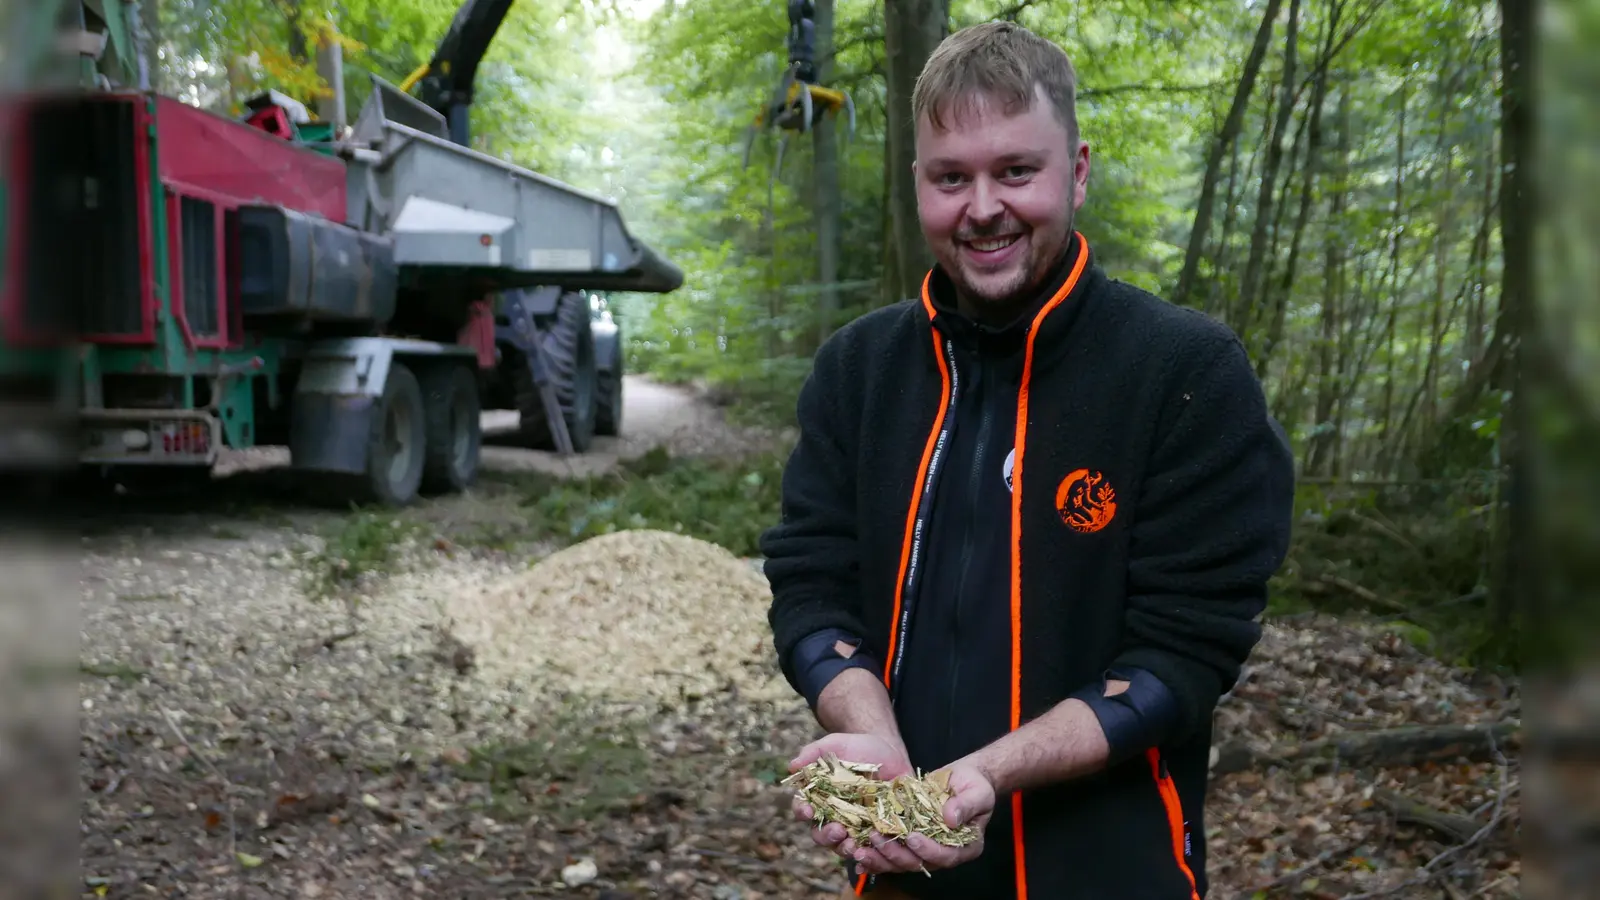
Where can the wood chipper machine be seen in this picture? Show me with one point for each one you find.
(358, 293)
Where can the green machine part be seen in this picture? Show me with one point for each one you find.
(231, 371)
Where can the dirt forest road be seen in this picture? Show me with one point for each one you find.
(653, 414)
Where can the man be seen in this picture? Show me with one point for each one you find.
(1029, 522)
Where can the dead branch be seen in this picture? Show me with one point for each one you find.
(1388, 531)
(1406, 746)
(1294, 876)
(1366, 595)
(1411, 812)
(1433, 867)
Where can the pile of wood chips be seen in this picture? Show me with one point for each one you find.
(850, 794)
(638, 615)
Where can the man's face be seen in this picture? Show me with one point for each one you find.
(997, 195)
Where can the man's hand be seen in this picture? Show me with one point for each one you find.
(971, 803)
(856, 748)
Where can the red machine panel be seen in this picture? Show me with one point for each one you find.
(205, 154)
(209, 166)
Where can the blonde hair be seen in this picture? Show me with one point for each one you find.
(1000, 60)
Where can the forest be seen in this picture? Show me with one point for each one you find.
(1338, 180)
(1363, 190)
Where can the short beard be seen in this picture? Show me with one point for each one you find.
(1018, 295)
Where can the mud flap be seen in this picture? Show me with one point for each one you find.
(336, 394)
(328, 432)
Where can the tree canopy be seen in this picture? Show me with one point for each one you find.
(1338, 180)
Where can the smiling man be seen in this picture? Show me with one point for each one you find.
(1029, 522)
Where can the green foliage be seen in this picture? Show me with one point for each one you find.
(365, 544)
(1414, 555)
(1377, 350)
(725, 502)
(577, 766)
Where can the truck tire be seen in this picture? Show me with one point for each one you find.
(608, 395)
(568, 342)
(397, 445)
(452, 411)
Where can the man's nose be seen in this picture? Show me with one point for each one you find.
(986, 205)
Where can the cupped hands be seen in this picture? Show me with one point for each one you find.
(971, 803)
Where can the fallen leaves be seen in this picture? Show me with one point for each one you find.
(627, 713)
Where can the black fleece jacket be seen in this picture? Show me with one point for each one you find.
(1148, 502)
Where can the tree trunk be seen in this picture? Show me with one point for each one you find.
(1319, 455)
(1225, 138)
(911, 29)
(1249, 288)
(1313, 167)
(827, 201)
(1386, 414)
(1514, 532)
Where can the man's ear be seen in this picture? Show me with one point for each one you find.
(1080, 175)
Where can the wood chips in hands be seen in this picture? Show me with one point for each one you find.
(633, 616)
(852, 795)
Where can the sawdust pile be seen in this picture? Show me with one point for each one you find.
(635, 616)
(852, 795)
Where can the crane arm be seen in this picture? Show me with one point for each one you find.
(446, 82)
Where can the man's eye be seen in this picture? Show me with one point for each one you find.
(1014, 172)
(950, 179)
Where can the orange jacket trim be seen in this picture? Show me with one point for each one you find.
(1174, 809)
(1021, 444)
(916, 495)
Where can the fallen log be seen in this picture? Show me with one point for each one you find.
(1409, 745)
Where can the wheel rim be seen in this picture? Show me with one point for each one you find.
(397, 441)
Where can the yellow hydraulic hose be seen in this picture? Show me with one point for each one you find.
(413, 78)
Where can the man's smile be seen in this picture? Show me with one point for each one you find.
(992, 251)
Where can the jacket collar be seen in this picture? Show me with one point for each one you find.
(1050, 311)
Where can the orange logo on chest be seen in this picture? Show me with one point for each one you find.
(1086, 501)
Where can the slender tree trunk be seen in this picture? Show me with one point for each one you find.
(1398, 219)
(1477, 320)
(911, 29)
(1267, 296)
(827, 201)
(894, 287)
(1225, 138)
(1219, 250)
(1514, 531)
(1319, 455)
(1249, 288)
(1312, 166)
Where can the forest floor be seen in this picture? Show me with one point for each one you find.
(283, 700)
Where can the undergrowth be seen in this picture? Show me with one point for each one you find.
(365, 544)
(726, 502)
(1415, 557)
